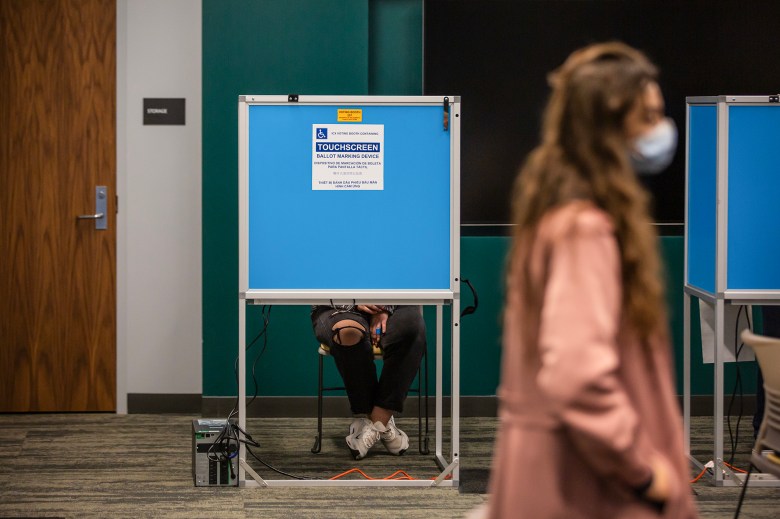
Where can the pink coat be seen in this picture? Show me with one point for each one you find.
(580, 423)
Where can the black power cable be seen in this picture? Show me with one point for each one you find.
(226, 445)
(472, 308)
(263, 333)
(278, 471)
(738, 345)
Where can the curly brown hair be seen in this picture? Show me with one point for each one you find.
(583, 156)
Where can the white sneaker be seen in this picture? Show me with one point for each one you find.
(394, 439)
(365, 438)
(358, 422)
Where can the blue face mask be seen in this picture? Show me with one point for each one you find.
(652, 152)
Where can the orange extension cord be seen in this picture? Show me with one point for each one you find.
(398, 475)
(732, 467)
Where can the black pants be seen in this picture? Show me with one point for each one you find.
(403, 344)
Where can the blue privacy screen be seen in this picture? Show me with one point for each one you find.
(754, 198)
(395, 238)
(702, 196)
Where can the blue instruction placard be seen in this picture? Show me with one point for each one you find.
(349, 205)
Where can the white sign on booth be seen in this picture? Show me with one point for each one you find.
(347, 157)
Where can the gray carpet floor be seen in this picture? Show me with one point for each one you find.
(105, 465)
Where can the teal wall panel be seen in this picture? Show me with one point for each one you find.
(395, 47)
(264, 47)
(482, 263)
(311, 47)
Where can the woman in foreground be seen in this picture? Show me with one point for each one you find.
(590, 425)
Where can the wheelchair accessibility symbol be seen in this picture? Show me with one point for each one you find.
(322, 133)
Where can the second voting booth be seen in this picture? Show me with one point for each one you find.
(352, 200)
(732, 225)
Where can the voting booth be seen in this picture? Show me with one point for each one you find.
(352, 200)
(732, 225)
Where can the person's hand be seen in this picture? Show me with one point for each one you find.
(660, 488)
(370, 309)
(378, 324)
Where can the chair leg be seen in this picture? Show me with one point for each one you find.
(422, 378)
(742, 494)
(318, 439)
(419, 410)
(427, 409)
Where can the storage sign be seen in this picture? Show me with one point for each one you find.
(161, 111)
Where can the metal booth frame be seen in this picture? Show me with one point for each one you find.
(719, 294)
(448, 464)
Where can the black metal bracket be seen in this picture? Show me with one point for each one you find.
(292, 98)
(446, 113)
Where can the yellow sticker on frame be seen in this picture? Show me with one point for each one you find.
(350, 115)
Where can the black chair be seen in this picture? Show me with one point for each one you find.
(421, 390)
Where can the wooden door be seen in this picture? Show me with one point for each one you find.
(57, 143)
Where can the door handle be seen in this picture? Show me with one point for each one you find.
(101, 206)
